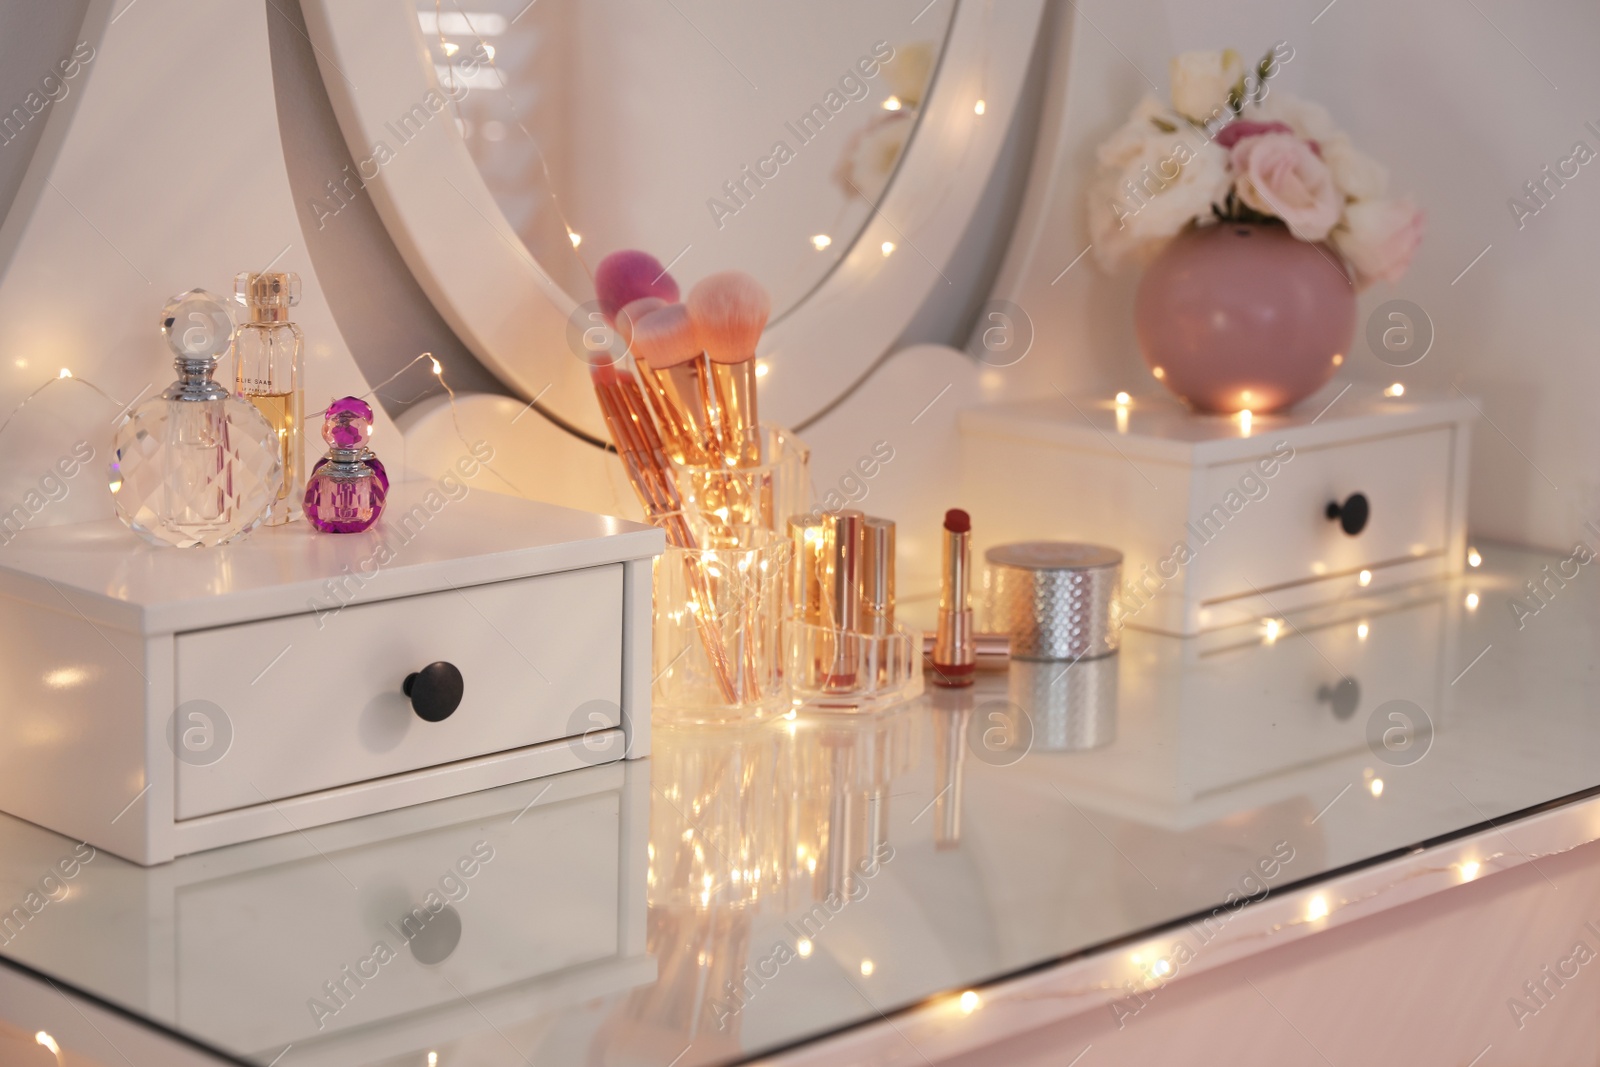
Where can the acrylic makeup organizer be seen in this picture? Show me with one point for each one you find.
(730, 644)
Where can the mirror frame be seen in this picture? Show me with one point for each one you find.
(516, 319)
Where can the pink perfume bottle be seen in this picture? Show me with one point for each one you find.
(348, 487)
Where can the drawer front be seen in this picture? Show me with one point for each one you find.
(1286, 537)
(257, 952)
(308, 703)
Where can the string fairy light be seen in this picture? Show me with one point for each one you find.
(64, 375)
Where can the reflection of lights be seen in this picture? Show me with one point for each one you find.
(821, 241)
(575, 238)
(462, 23)
(867, 967)
(1338, 358)
(1472, 601)
(1469, 870)
(42, 1038)
(21, 363)
(969, 1002)
(892, 104)
(887, 247)
(1244, 421)
(1271, 629)
(1161, 968)
(1362, 630)
(1159, 372)
(1376, 787)
(65, 677)
(1123, 399)
(762, 368)
(1473, 559)
(433, 1059)
(979, 108)
(1364, 578)
(803, 946)
(1397, 389)
(1318, 909)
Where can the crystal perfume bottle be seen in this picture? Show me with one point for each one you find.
(348, 487)
(196, 465)
(268, 367)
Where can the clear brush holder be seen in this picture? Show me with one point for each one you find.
(718, 649)
(751, 498)
(843, 671)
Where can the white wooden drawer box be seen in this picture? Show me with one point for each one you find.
(1219, 524)
(165, 701)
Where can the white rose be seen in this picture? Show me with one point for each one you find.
(1357, 174)
(1172, 180)
(1379, 238)
(1201, 82)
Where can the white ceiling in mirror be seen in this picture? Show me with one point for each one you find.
(715, 133)
(518, 302)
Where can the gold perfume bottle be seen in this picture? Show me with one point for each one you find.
(269, 370)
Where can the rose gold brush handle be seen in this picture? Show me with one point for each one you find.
(738, 425)
(632, 432)
(677, 397)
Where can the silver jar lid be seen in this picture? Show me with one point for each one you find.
(1054, 598)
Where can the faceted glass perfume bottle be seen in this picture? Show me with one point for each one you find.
(348, 486)
(196, 465)
(268, 368)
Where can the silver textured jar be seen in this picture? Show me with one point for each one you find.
(1054, 598)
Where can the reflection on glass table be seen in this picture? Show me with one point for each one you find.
(747, 889)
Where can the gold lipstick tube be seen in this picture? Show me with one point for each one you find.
(991, 651)
(877, 596)
(954, 658)
(842, 592)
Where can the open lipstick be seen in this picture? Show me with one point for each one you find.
(954, 655)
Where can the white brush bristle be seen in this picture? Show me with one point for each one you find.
(632, 312)
(729, 310)
(665, 337)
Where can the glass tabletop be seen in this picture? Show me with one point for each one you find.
(747, 889)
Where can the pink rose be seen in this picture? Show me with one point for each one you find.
(1279, 174)
(1379, 237)
(1239, 129)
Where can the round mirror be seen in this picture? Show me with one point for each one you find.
(834, 150)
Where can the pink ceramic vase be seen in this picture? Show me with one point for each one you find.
(1244, 315)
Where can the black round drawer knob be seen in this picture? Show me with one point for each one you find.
(435, 691)
(1352, 514)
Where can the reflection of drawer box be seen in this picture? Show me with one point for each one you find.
(165, 701)
(1220, 525)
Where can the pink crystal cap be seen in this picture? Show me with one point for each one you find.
(348, 423)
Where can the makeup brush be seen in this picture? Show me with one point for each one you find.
(625, 276)
(729, 310)
(670, 361)
(627, 317)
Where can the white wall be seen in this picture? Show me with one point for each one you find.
(1462, 114)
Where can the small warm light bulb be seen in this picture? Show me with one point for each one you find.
(969, 1002)
(488, 50)
(42, 1038)
(450, 48)
(1244, 420)
(1472, 601)
(821, 241)
(1364, 578)
(1473, 559)
(867, 967)
(1318, 908)
(979, 108)
(761, 368)
(803, 947)
(1376, 787)
(1338, 359)
(892, 104)
(433, 1059)
(1159, 372)
(1273, 628)
(21, 363)
(1161, 968)
(1397, 389)
(437, 369)
(888, 247)
(1469, 870)
(575, 238)
(1124, 399)
(1361, 631)
(65, 373)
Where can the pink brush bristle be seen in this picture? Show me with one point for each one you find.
(632, 312)
(665, 337)
(729, 310)
(625, 276)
